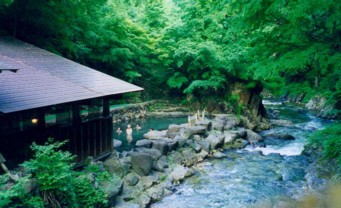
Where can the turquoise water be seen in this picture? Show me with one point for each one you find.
(146, 124)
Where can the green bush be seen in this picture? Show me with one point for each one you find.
(328, 141)
(17, 195)
(58, 184)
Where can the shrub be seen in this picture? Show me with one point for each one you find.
(59, 185)
(328, 141)
(17, 195)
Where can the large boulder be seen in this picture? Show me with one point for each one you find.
(144, 143)
(206, 123)
(180, 172)
(316, 103)
(161, 145)
(173, 130)
(114, 166)
(131, 179)
(201, 130)
(112, 189)
(196, 147)
(155, 134)
(155, 193)
(205, 145)
(160, 164)
(181, 141)
(253, 136)
(202, 155)
(190, 158)
(215, 140)
(230, 137)
(142, 163)
(155, 153)
(172, 144)
(219, 126)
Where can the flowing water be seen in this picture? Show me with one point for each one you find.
(255, 176)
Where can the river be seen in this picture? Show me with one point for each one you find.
(271, 176)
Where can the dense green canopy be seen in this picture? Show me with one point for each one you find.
(192, 47)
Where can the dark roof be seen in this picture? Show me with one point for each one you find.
(46, 79)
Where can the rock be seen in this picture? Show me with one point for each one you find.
(161, 145)
(185, 133)
(202, 155)
(144, 200)
(155, 193)
(207, 124)
(160, 164)
(252, 136)
(240, 143)
(196, 147)
(201, 130)
(241, 133)
(172, 144)
(181, 141)
(144, 143)
(316, 103)
(175, 158)
(215, 140)
(173, 130)
(142, 163)
(229, 126)
(147, 182)
(155, 153)
(155, 134)
(196, 137)
(190, 157)
(218, 155)
(229, 138)
(112, 189)
(279, 136)
(113, 166)
(205, 145)
(179, 173)
(219, 126)
(117, 143)
(131, 179)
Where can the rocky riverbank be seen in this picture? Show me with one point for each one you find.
(162, 160)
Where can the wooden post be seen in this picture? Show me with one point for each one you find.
(41, 118)
(76, 113)
(106, 107)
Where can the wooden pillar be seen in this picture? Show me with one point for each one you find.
(76, 113)
(41, 118)
(106, 107)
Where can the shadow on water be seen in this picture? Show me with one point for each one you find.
(157, 123)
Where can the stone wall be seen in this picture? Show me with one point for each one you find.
(130, 112)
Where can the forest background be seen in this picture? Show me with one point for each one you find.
(192, 48)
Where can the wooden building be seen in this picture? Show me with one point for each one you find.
(45, 95)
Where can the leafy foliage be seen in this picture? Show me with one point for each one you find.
(192, 47)
(58, 184)
(17, 196)
(328, 141)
